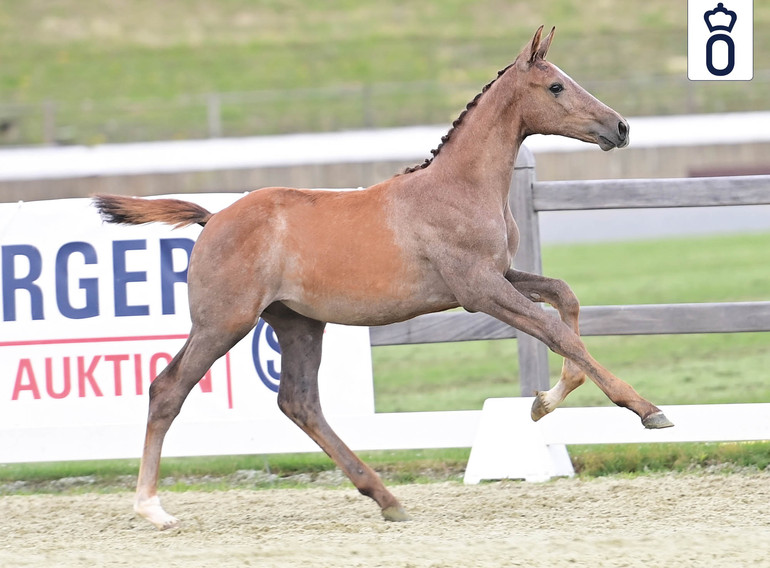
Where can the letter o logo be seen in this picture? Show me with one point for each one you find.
(710, 55)
(266, 353)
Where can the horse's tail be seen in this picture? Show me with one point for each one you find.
(136, 211)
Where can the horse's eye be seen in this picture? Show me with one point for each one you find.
(556, 88)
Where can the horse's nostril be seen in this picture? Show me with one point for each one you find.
(622, 130)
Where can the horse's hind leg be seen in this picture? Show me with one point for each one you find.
(486, 291)
(167, 394)
(298, 397)
(557, 293)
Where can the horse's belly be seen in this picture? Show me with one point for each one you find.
(358, 299)
(348, 312)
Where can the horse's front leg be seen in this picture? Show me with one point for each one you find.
(558, 294)
(486, 290)
(167, 394)
(298, 397)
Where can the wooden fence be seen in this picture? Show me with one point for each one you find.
(527, 198)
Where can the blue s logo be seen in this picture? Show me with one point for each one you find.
(266, 353)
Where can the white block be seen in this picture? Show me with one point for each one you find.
(509, 445)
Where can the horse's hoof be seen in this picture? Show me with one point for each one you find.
(395, 514)
(169, 524)
(657, 420)
(151, 510)
(540, 407)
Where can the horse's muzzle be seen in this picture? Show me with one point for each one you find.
(616, 139)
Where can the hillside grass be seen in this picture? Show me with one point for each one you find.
(133, 69)
(681, 369)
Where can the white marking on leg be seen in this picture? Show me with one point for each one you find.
(151, 510)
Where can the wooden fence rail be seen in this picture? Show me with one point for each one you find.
(527, 198)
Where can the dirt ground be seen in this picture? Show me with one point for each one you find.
(665, 520)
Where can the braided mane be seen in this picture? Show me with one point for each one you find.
(455, 124)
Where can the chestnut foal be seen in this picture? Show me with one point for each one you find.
(438, 236)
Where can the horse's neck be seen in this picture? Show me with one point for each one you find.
(483, 148)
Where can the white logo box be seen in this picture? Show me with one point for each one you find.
(720, 40)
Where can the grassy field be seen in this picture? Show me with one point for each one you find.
(128, 70)
(668, 369)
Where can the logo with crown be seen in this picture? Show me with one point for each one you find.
(720, 18)
(723, 48)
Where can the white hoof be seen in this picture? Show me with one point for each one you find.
(151, 510)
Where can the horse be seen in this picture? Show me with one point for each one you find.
(439, 235)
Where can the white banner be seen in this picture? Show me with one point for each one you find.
(92, 312)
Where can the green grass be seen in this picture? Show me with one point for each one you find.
(127, 70)
(226, 472)
(644, 458)
(395, 466)
(682, 369)
(696, 269)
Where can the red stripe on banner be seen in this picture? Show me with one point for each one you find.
(89, 340)
(229, 382)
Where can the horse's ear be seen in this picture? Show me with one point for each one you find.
(545, 44)
(529, 53)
